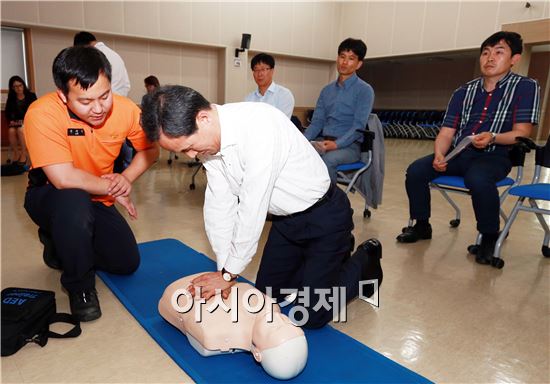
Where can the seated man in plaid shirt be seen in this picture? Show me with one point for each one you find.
(495, 108)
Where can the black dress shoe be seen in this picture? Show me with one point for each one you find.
(370, 253)
(415, 233)
(486, 249)
(484, 254)
(85, 305)
(483, 258)
(49, 256)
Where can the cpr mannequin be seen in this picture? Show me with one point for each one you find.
(278, 345)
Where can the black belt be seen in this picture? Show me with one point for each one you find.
(326, 197)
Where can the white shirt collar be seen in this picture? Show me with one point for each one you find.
(270, 89)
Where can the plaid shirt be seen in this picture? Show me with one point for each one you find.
(473, 110)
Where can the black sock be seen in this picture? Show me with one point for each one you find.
(492, 237)
(423, 223)
(489, 239)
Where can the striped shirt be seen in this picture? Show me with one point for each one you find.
(473, 110)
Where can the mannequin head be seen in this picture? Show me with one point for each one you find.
(279, 346)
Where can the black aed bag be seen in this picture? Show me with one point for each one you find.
(26, 317)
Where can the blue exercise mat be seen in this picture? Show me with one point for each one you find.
(333, 356)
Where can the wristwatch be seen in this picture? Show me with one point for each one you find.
(228, 276)
(493, 137)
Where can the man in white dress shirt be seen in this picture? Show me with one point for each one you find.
(252, 172)
(120, 84)
(263, 67)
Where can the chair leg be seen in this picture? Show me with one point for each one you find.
(545, 249)
(472, 248)
(456, 221)
(366, 213)
(506, 229)
(502, 197)
(192, 185)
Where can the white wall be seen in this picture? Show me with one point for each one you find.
(393, 28)
(172, 63)
(308, 30)
(305, 29)
(188, 41)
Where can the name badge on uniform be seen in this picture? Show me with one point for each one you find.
(75, 132)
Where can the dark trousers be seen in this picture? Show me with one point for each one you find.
(86, 235)
(481, 171)
(312, 249)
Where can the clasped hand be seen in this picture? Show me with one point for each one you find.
(119, 186)
(329, 145)
(439, 163)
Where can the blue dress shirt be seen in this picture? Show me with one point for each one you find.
(341, 110)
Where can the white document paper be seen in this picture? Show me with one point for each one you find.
(459, 148)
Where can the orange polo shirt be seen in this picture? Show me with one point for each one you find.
(54, 135)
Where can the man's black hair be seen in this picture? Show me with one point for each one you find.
(152, 80)
(262, 58)
(357, 46)
(172, 109)
(83, 38)
(513, 39)
(83, 64)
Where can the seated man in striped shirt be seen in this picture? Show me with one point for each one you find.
(495, 108)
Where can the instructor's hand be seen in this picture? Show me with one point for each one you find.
(126, 202)
(120, 185)
(209, 282)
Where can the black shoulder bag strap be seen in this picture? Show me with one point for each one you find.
(65, 318)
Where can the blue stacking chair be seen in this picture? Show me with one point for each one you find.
(533, 192)
(348, 174)
(455, 184)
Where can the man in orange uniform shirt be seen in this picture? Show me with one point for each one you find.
(74, 136)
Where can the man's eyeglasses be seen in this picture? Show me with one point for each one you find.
(261, 70)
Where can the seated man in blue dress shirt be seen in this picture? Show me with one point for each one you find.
(343, 107)
(496, 107)
(263, 67)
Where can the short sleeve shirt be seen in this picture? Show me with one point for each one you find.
(54, 135)
(473, 110)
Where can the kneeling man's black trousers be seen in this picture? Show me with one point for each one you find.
(87, 235)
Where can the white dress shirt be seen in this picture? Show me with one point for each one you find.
(264, 164)
(276, 95)
(120, 82)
